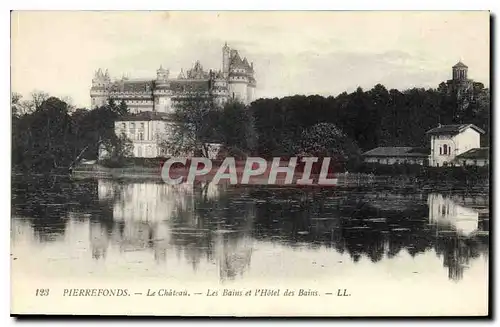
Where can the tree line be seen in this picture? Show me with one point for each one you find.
(368, 119)
(342, 126)
(49, 133)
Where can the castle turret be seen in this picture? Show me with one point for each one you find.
(181, 75)
(100, 88)
(238, 78)
(219, 87)
(162, 75)
(100, 79)
(252, 84)
(225, 60)
(460, 71)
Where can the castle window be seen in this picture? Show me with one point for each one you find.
(440, 150)
(445, 149)
(124, 126)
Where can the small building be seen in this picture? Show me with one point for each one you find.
(474, 157)
(397, 155)
(146, 130)
(449, 141)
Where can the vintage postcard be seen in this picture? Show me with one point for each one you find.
(261, 163)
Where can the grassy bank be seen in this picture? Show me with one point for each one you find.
(462, 173)
(366, 175)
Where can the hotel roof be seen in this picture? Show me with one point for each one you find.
(397, 152)
(460, 65)
(453, 129)
(478, 153)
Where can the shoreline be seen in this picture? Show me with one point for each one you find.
(349, 180)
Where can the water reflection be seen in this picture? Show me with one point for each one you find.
(450, 215)
(205, 225)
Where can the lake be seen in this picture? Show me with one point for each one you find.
(424, 252)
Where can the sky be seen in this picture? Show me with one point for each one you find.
(322, 52)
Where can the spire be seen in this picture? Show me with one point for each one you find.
(181, 74)
(106, 74)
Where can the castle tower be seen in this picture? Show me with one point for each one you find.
(225, 60)
(219, 87)
(252, 84)
(238, 77)
(162, 75)
(161, 101)
(100, 88)
(460, 71)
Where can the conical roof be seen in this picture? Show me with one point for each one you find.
(460, 65)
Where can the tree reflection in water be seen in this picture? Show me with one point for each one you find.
(221, 225)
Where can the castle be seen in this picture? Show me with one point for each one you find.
(236, 80)
(152, 101)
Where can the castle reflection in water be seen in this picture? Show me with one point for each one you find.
(221, 225)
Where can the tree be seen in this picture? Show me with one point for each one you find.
(122, 108)
(195, 126)
(236, 127)
(69, 101)
(96, 126)
(115, 150)
(15, 103)
(44, 140)
(22, 107)
(45, 136)
(327, 140)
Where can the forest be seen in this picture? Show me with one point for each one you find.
(49, 133)
(373, 118)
